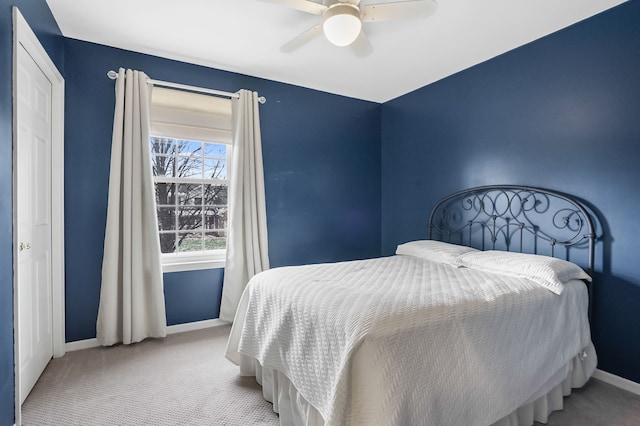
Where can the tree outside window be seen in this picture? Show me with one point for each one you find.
(191, 194)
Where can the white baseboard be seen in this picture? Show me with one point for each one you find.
(81, 344)
(192, 326)
(617, 381)
(172, 329)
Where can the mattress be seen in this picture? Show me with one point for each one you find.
(407, 341)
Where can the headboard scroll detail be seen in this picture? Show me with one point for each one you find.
(515, 218)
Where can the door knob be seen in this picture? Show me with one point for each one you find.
(25, 246)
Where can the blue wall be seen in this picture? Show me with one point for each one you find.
(562, 112)
(322, 172)
(192, 295)
(37, 13)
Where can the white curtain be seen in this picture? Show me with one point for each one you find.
(131, 297)
(247, 250)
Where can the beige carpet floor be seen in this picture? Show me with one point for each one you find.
(181, 380)
(185, 380)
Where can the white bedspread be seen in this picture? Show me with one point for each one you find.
(406, 341)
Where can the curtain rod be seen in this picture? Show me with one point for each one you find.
(114, 75)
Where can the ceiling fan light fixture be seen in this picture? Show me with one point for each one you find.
(342, 24)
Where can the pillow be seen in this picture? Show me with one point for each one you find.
(547, 271)
(438, 251)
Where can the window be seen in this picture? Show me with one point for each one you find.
(191, 195)
(190, 151)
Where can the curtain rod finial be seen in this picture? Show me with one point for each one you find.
(112, 74)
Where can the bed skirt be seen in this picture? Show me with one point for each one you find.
(294, 409)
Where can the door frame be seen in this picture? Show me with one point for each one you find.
(24, 36)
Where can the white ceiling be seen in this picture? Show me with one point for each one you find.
(244, 36)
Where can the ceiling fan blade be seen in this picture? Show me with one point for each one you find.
(302, 5)
(362, 46)
(302, 39)
(397, 10)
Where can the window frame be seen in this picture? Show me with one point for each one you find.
(177, 262)
(197, 260)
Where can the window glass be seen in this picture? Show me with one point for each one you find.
(191, 191)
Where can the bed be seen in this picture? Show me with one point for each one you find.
(485, 322)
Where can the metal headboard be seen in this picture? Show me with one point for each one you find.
(515, 218)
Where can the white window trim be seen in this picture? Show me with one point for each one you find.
(177, 262)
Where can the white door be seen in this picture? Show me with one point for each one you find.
(33, 220)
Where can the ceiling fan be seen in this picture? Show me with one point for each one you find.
(342, 20)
